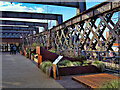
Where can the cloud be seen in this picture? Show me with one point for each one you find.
(39, 9)
(7, 6)
(20, 7)
(4, 3)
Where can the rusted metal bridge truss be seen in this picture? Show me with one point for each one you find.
(84, 31)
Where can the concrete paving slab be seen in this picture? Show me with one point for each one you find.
(20, 72)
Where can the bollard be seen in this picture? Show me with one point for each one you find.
(54, 71)
(20, 52)
(39, 60)
(24, 53)
(39, 56)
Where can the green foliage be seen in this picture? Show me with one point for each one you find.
(96, 62)
(32, 54)
(34, 44)
(84, 64)
(81, 56)
(69, 64)
(77, 63)
(110, 85)
(51, 51)
(37, 44)
(65, 63)
(44, 65)
(41, 44)
(85, 61)
(99, 65)
(28, 50)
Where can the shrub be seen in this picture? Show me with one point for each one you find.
(65, 63)
(110, 85)
(36, 44)
(84, 64)
(77, 63)
(81, 56)
(69, 64)
(96, 62)
(99, 65)
(32, 53)
(84, 61)
(45, 65)
(51, 51)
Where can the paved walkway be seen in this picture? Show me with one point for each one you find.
(19, 72)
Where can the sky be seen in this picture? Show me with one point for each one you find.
(67, 12)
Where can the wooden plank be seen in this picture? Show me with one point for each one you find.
(94, 80)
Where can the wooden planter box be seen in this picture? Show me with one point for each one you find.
(63, 71)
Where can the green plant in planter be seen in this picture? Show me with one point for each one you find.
(65, 63)
(110, 85)
(41, 44)
(69, 64)
(81, 56)
(45, 64)
(77, 63)
(36, 44)
(84, 61)
(96, 62)
(51, 51)
(27, 52)
(84, 64)
(99, 65)
(32, 57)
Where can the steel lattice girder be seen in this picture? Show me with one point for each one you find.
(26, 15)
(31, 24)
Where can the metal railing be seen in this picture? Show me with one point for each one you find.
(85, 31)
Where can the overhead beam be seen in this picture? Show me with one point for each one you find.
(8, 22)
(11, 40)
(8, 31)
(81, 5)
(18, 28)
(13, 35)
(26, 15)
